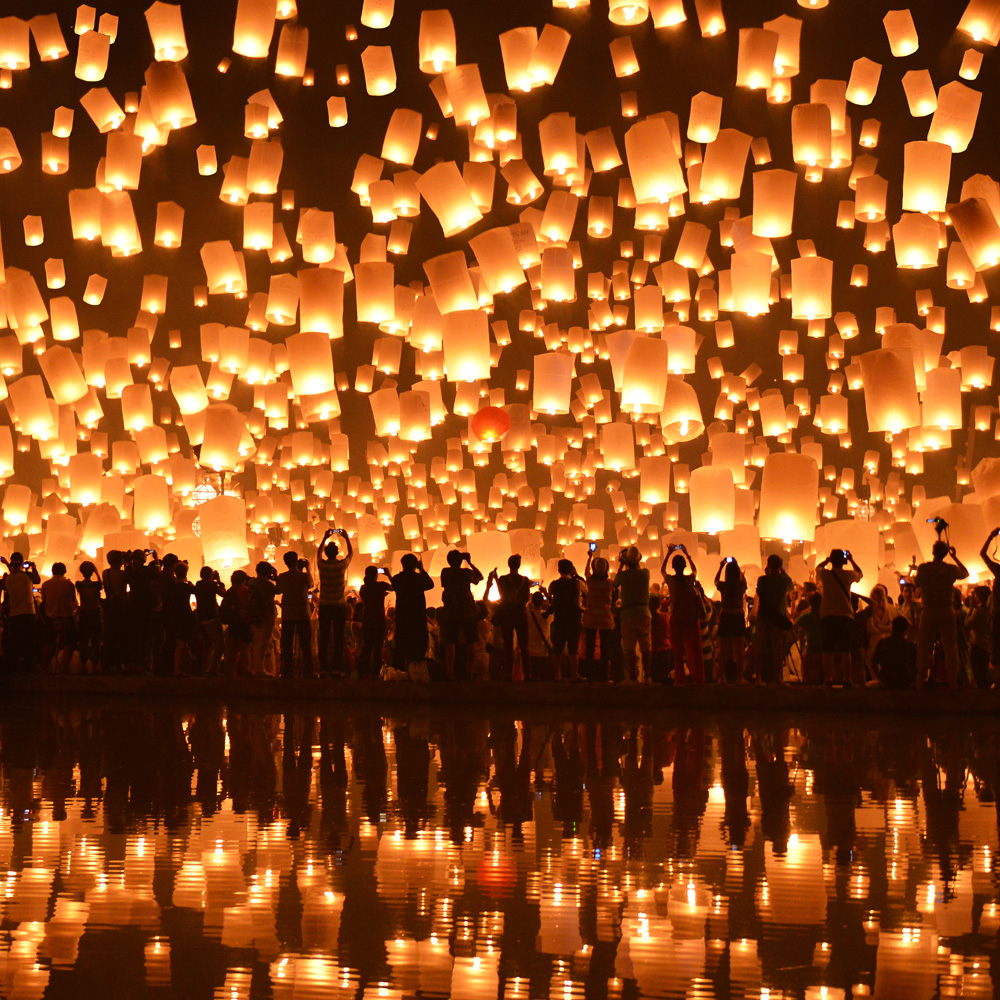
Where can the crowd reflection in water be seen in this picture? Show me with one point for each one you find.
(238, 853)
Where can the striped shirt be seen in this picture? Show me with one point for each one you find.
(332, 580)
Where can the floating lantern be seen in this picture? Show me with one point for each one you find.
(552, 382)
(310, 363)
(891, 399)
(789, 496)
(926, 173)
(977, 227)
(901, 32)
(653, 165)
(712, 499)
(436, 41)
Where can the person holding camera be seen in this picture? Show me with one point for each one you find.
(632, 586)
(732, 586)
(331, 567)
(458, 606)
(936, 581)
(686, 611)
(841, 639)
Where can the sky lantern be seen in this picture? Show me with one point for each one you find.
(979, 230)
(653, 165)
(253, 28)
(789, 496)
(890, 390)
(436, 41)
(926, 173)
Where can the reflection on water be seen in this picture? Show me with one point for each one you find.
(236, 853)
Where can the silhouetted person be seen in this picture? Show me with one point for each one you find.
(836, 615)
(511, 615)
(771, 620)
(686, 610)
(293, 588)
(936, 580)
(20, 634)
(332, 570)
(90, 621)
(207, 592)
(59, 608)
(632, 587)
(373, 623)
(598, 623)
(895, 658)
(458, 609)
(564, 596)
(410, 584)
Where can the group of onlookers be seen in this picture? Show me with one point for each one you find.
(143, 614)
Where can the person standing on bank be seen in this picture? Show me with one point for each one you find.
(410, 584)
(836, 615)
(994, 567)
(293, 587)
(936, 581)
(20, 631)
(332, 570)
(512, 616)
(632, 585)
(686, 610)
(458, 606)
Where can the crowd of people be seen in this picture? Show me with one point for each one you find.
(144, 615)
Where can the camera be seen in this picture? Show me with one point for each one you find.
(592, 547)
(730, 559)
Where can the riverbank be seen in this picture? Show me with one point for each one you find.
(708, 698)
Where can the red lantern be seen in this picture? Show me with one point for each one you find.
(491, 423)
(497, 874)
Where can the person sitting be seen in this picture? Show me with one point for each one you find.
(895, 658)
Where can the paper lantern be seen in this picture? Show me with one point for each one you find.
(653, 164)
(942, 399)
(103, 109)
(379, 70)
(253, 28)
(680, 417)
(724, 164)
(92, 56)
(444, 190)
(498, 262)
(926, 173)
(703, 121)
(626, 12)
(773, 203)
(491, 423)
(166, 29)
(644, 377)
(981, 20)
(436, 41)
(374, 290)
(223, 436)
(891, 399)
(955, 116)
(151, 503)
(750, 277)
(901, 32)
(465, 339)
(789, 496)
(10, 158)
(310, 363)
(977, 227)
(755, 59)
(223, 532)
(61, 371)
(321, 301)
(137, 407)
(618, 446)
(552, 382)
(812, 134)
(863, 82)
(712, 499)
(16, 503)
(812, 279)
(916, 240)
(293, 49)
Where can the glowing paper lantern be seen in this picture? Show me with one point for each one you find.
(253, 28)
(166, 29)
(465, 339)
(653, 165)
(491, 423)
(644, 377)
(712, 499)
(436, 41)
(789, 496)
(310, 363)
(942, 400)
(444, 190)
(223, 531)
(812, 279)
(916, 240)
(926, 173)
(977, 227)
(552, 382)
(151, 503)
(223, 436)
(773, 202)
(901, 32)
(891, 399)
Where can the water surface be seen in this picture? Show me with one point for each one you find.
(234, 853)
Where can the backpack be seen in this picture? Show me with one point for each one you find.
(229, 607)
